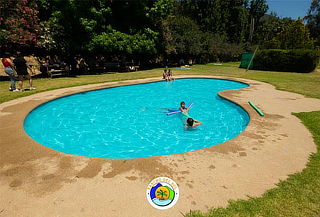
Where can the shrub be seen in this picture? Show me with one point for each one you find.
(217, 49)
(303, 61)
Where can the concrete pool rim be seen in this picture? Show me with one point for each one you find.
(141, 82)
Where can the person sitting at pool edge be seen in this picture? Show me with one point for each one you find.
(165, 75)
(170, 75)
(193, 123)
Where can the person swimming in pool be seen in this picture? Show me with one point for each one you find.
(193, 123)
(183, 107)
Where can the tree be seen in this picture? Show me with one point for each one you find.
(117, 43)
(257, 9)
(294, 36)
(237, 20)
(226, 18)
(208, 14)
(52, 38)
(130, 16)
(217, 48)
(78, 21)
(19, 24)
(186, 38)
(76, 27)
(313, 20)
(161, 10)
(270, 26)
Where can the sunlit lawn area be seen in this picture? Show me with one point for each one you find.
(307, 84)
(297, 196)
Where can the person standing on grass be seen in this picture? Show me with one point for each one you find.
(8, 69)
(22, 70)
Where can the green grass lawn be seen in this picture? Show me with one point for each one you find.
(299, 195)
(307, 84)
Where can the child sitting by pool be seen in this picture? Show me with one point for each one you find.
(193, 123)
(170, 75)
(165, 75)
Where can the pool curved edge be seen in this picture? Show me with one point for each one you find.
(225, 94)
(42, 98)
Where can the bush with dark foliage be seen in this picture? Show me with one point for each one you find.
(303, 61)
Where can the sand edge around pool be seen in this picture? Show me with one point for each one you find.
(38, 181)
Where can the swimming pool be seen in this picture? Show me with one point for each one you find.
(125, 122)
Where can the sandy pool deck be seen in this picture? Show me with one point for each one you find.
(37, 181)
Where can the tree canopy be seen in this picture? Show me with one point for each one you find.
(19, 23)
(150, 29)
(313, 20)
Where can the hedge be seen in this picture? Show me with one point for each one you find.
(303, 61)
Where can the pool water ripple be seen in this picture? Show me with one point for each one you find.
(125, 122)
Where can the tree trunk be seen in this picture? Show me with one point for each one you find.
(251, 29)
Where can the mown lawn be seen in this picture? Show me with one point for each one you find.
(299, 195)
(307, 84)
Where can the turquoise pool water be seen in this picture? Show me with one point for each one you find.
(125, 122)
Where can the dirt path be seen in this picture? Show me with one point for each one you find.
(38, 181)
